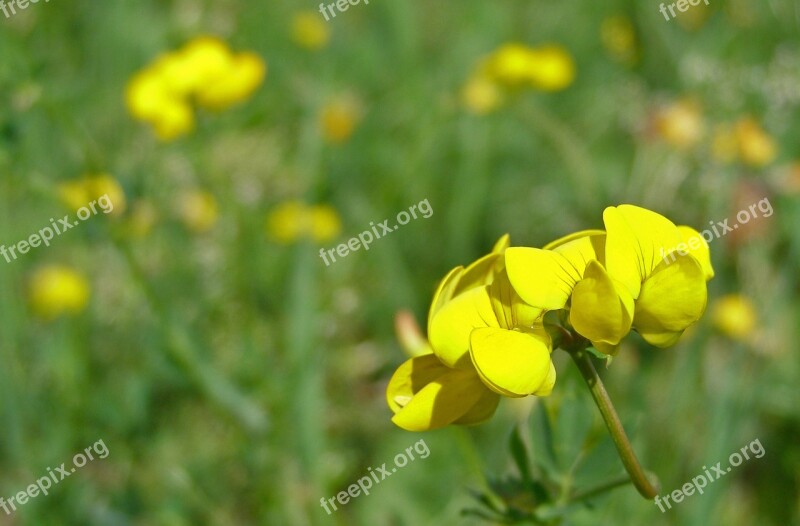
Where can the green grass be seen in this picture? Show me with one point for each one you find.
(238, 381)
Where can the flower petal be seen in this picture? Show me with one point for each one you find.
(549, 382)
(451, 326)
(409, 379)
(482, 410)
(598, 311)
(511, 363)
(444, 291)
(574, 236)
(479, 273)
(698, 249)
(447, 398)
(673, 298)
(510, 310)
(501, 244)
(636, 242)
(542, 278)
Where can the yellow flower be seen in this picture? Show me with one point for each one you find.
(339, 119)
(424, 395)
(294, 220)
(55, 290)
(628, 276)
(174, 120)
(202, 60)
(99, 188)
(756, 147)
(142, 219)
(681, 123)
(287, 223)
(480, 95)
(198, 210)
(485, 341)
(245, 73)
(735, 316)
(309, 30)
(554, 69)
(619, 38)
(205, 71)
(324, 223)
(548, 68)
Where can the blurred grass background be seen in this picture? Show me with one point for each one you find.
(237, 380)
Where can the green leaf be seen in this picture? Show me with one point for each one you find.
(520, 454)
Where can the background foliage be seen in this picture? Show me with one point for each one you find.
(236, 380)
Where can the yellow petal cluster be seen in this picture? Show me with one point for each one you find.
(309, 31)
(295, 220)
(512, 66)
(338, 119)
(205, 72)
(486, 324)
(680, 123)
(745, 141)
(90, 188)
(198, 210)
(735, 316)
(56, 290)
(485, 343)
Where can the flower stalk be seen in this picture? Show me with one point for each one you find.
(647, 484)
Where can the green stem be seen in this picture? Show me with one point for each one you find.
(647, 487)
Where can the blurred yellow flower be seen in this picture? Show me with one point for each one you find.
(619, 38)
(680, 123)
(554, 69)
(756, 147)
(142, 219)
(548, 68)
(205, 71)
(245, 74)
(55, 290)
(338, 119)
(198, 210)
(325, 223)
(81, 192)
(735, 316)
(309, 31)
(294, 220)
(480, 95)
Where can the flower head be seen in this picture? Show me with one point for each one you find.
(626, 277)
(735, 316)
(309, 31)
(204, 72)
(338, 119)
(485, 341)
(55, 290)
(81, 192)
(198, 210)
(295, 220)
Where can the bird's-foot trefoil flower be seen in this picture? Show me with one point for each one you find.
(490, 335)
(484, 339)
